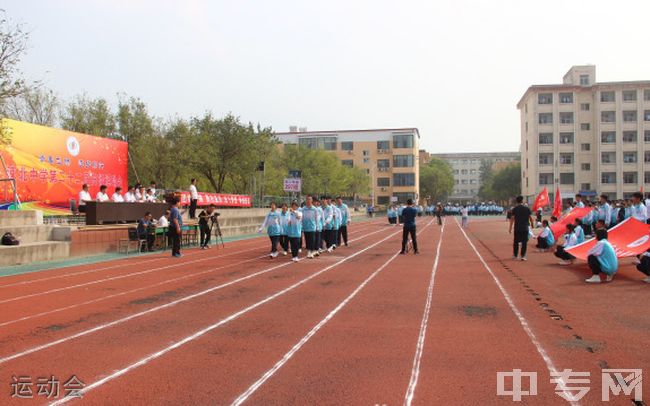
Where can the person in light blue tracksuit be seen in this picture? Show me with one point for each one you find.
(545, 239)
(294, 229)
(336, 224)
(273, 225)
(392, 215)
(602, 258)
(345, 220)
(328, 223)
(579, 232)
(284, 237)
(309, 224)
(319, 227)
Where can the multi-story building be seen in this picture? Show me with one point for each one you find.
(389, 157)
(585, 136)
(467, 170)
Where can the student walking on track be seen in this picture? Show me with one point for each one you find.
(408, 215)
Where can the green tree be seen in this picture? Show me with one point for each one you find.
(436, 179)
(37, 106)
(13, 45)
(503, 185)
(90, 116)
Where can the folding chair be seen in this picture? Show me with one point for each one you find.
(133, 238)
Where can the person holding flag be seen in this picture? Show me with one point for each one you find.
(604, 211)
(557, 204)
(602, 259)
(541, 200)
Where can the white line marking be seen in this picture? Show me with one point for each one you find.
(268, 374)
(153, 309)
(522, 320)
(220, 323)
(415, 370)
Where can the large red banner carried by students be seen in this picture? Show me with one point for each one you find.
(51, 164)
(559, 227)
(629, 238)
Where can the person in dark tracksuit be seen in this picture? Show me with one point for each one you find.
(521, 219)
(175, 226)
(408, 216)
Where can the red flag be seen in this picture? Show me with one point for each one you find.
(557, 205)
(629, 238)
(559, 227)
(541, 200)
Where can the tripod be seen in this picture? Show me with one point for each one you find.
(214, 221)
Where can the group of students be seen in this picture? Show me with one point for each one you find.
(601, 258)
(134, 194)
(322, 224)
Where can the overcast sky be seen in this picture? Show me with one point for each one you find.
(454, 69)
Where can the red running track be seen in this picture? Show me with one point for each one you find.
(362, 325)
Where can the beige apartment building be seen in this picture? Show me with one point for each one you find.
(466, 167)
(389, 156)
(585, 136)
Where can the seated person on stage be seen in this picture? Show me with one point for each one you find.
(644, 266)
(144, 226)
(570, 240)
(129, 196)
(602, 258)
(141, 195)
(84, 196)
(101, 195)
(150, 197)
(152, 186)
(545, 239)
(117, 196)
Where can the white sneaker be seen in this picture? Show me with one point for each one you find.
(284, 253)
(294, 259)
(636, 261)
(647, 279)
(271, 255)
(515, 258)
(564, 263)
(320, 250)
(275, 254)
(330, 249)
(310, 255)
(609, 278)
(299, 250)
(524, 259)
(593, 279)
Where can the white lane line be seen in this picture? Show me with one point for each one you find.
(268, 374)
(24, 318)
(522, 320)
(415, 370)
(218, 324)
(153, 309)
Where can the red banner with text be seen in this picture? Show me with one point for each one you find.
(218, 199)
(629, 238)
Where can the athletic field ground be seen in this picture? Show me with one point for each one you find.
(360, 326)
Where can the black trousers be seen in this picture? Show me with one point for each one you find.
(335, 237)
(343, 235)
(542, 243)
(644, 266)
(521, 236)
(327, 236)
(587, 229)
(284, 242)
(193, 208)
(150, 240)
(594, 265)
(275, 239)
(295, 245)
(205, 234)
(439, 218)
(392, 220)
(175, 240)
(310, 240)
(405, 235)
(562, 254)
(318, 237)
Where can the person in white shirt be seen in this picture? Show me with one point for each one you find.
(152, 186)
(117, 196)
(101, 195)
(570, 239)
(164, 220)
(638, 210)
(139, 190)
(578, 201)
(150, 197)
(84, 196)
(464, 216)
(194, 198)
(141, 195)
(129, 196)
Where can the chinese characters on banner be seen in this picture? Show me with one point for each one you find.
(218, 199)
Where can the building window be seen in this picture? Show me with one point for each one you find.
(383, 145)
(566, 138)
(472, 171)
(366, 152)
(545, 178)
(566, 118)
(473, 181)
(545, 118)
(646, 136)
(566, 98)
(566, 158)
(646, 177)
(585, 126)
(646, 95)
(463, 181)
(403, 141)
(585, 147)
(630, 177)
(584, 80)
(403, 161)
(646, 115)
(326, 143)
(608, 137)
(646, 156)
(403, 197)
(585, 167)
(629, 95)
(546, 138)
(347, 162)
(366, 160)
(608, 116)
(585, 186)
(456, 171)
(546, 159)
(629, 136)
(457, 181)
(383, 200)
(383, 181)
(629, 157)
(607, 97)
(584, 106)
(403, 179)
(567, 178)
(545, 98)
(608, 157)
(608, 177)
(347, 146)
(383, 163)
(629, 115)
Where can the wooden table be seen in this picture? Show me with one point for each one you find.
(111, 212)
